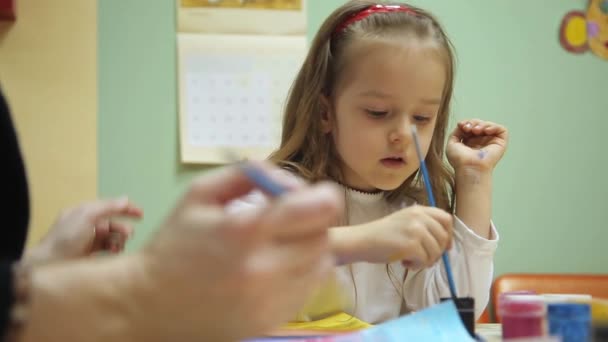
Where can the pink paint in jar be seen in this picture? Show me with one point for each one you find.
(522, 315)
(502, 295)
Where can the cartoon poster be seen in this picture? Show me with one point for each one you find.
(582, 31)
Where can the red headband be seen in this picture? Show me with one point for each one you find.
(369, 11)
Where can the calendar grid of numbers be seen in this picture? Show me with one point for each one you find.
(232, 93)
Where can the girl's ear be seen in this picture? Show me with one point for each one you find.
(326, 114)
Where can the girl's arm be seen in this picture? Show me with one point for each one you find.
(474, 149)
(474, 200)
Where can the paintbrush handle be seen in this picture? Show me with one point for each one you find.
(431, 198)
(262, 181)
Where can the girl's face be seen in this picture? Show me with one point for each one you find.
(385, 87)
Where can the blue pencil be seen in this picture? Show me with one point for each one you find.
(429, 192)
(262, 181)
(257, 176)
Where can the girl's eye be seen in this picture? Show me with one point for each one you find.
(376, 113)
(421, 119)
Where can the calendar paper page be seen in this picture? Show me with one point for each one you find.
(232, 89)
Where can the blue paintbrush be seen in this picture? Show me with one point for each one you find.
(257, 176)
(429, 192)
(262, 181)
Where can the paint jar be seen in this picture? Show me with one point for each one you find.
(466, 310)
(522, 316)
(510, 293)
(570, 321)
(599, 310)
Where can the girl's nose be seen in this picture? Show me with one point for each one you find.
(401, 132)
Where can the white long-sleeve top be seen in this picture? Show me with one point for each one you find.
(375, 296)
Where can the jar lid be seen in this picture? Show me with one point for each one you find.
(569, 310)
(503, 295)
(566, 297)
(522, 304)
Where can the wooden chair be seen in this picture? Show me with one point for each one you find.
(595, 285)
(485, 316)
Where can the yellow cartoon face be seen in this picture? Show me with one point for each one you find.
(580, 31)
(597, 27)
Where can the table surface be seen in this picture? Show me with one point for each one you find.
(490, 332)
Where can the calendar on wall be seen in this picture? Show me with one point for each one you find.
(236, 62)
(232, 91)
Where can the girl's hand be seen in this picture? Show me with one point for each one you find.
(417, 235)
(476, 145)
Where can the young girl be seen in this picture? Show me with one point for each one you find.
(373, 70)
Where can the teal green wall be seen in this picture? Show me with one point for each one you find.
(549, 199)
